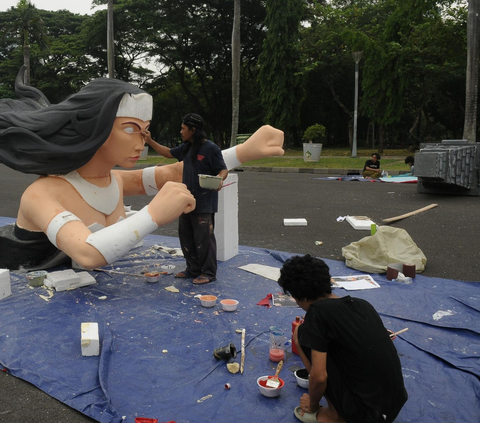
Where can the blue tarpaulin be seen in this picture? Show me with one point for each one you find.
(157, 346)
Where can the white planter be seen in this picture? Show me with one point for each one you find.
(311, 152)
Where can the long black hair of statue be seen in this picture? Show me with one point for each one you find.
(40, 138)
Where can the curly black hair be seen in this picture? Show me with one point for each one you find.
(305, 278)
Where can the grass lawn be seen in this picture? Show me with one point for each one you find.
(329, 159)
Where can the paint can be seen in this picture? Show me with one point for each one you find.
(393, 269)
(409, 270)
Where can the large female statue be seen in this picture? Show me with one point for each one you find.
(75, 208)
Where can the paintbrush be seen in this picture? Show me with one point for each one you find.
(394, 334)
(273, 381)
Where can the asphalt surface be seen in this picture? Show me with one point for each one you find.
(447, 235)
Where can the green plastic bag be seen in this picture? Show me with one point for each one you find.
(373, 254)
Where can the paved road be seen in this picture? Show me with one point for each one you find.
(447, 234)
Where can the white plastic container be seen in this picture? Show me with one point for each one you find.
(267, 391)
(208, 300)
(302, 378)
(209, 181)
(229, 305)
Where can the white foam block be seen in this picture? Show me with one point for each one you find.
(90, 339)
(5, 284)
(68, 279)
(226, 219)
(362, 223)
(295, 222)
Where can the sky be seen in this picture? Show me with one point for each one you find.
(74, 6)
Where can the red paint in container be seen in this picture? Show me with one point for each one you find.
(263, 383)
(277, 354)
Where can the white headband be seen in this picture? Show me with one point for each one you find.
(139, 106)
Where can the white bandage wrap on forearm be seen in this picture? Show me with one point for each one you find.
(230, 158)
(116, 240)
(57, 223)
(148, 179)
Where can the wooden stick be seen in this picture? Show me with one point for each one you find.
(242, 362)
(397, 333)
(403, 216)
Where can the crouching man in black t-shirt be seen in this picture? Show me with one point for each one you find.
(371, 169)
(345, 348)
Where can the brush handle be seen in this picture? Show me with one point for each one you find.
(279, 367)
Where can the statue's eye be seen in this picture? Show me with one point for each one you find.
(129, 130)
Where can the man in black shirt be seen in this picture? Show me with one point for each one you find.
(345, 348)
(372, 167)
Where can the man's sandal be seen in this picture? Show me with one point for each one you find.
(202, 279)
(307, 417)
(184, 275)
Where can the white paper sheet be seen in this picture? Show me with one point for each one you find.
(268, 272)
(354, 282)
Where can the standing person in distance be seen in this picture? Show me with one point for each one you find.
(196, 231)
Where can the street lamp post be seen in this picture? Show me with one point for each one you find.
(357, 55)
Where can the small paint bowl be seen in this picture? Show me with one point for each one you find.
(229, 305)
(127, 208)
(152, 277)
(36, 278)
(265, 390)
(302, 377)
(208, 300)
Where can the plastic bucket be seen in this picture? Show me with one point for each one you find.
(311, 152)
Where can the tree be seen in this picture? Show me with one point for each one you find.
(473, 44)
(280, 84)
(29, 26)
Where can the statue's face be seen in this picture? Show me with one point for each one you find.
(125, 143)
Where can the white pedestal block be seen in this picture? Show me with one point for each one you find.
(5, 285)
(90, 339)
(226, 219)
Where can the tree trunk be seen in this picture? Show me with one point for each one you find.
(381, 138)
(470, 123)
(110, 41)
(235, 72)
(26, 62)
